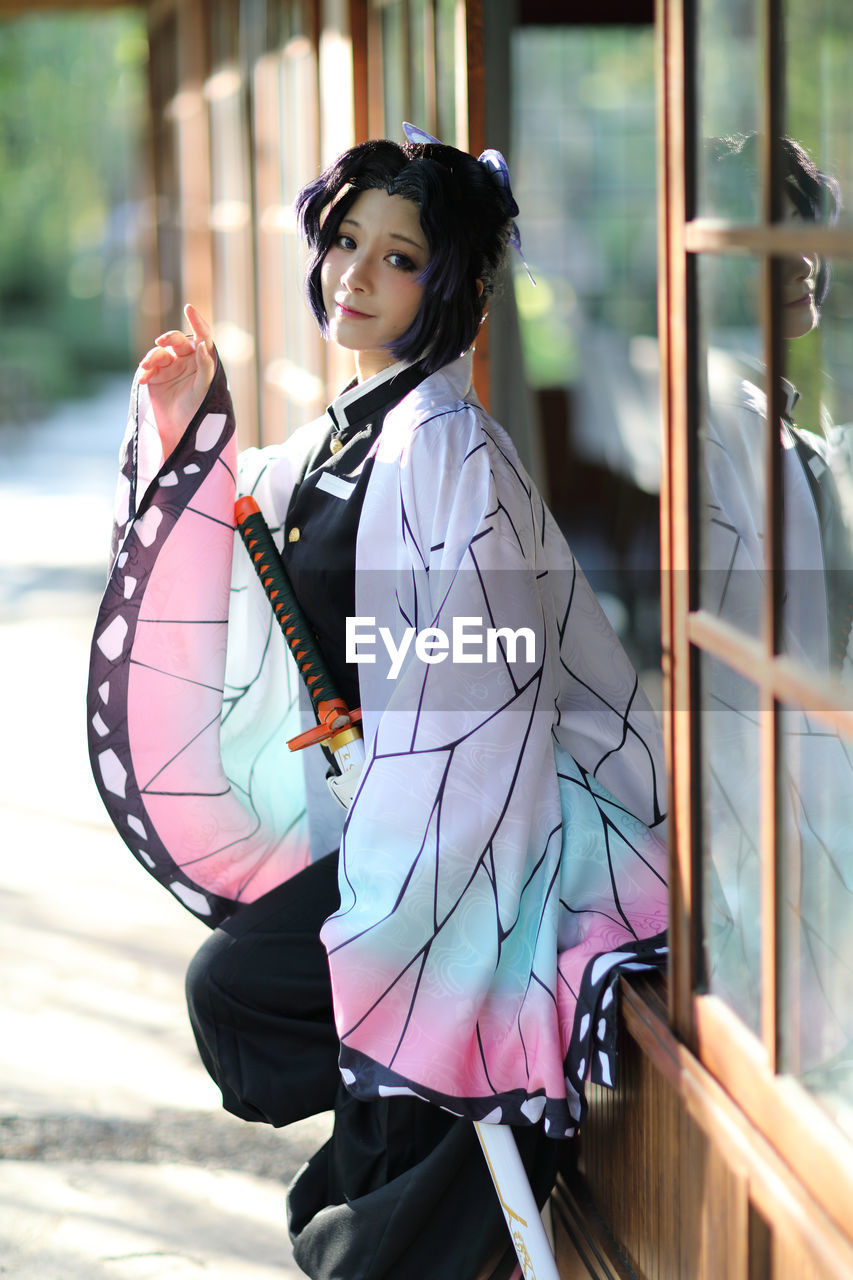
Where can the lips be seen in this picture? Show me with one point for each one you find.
(350, 312)
(800, 302)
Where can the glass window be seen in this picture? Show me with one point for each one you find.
(817, 463)
(768, 318)
(728, 84)
(818, 87)
(731, 429)
(816, 998)
(731, 927)
(583, 171)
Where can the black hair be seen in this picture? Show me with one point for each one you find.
(732, 181)
(465, 215)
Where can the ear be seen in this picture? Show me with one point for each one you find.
(479, 285)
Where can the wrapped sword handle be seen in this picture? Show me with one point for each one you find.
(333, 715)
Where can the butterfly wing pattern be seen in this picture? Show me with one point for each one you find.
(501, 862)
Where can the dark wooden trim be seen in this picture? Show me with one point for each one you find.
(675, 532)
(360, 81)
(771, 291)
(556, 13)
(474, 57)
(430, 75)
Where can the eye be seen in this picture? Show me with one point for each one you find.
(402, 262)
(345, 241)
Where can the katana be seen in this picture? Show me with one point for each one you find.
(337, 728)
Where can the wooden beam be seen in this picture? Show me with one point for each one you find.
(781, 239)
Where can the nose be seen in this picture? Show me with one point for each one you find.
(354, 278)
(801, 267)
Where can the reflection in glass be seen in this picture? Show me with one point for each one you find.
(728, 86)
(815, 463)
(816, 456)
(731, 443)
(818, 49)
(816, 998)
(729, 773)
(817, 435)
(815, 778)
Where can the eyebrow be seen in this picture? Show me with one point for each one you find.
(393, 235)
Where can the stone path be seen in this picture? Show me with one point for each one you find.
(116, 1160)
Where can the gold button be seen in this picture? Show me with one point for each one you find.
(335, 446)
(293, 536)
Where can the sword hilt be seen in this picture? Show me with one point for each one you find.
(332, 712)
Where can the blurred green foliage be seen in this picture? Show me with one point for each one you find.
(583, 161)
(72, 103)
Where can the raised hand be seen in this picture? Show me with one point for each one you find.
(178, 371)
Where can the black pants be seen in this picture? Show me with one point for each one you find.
(401, 1190)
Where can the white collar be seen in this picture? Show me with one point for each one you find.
(351, 394)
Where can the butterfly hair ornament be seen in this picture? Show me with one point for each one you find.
(498, 167)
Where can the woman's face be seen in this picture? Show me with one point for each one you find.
(370, 278)
(799, 275)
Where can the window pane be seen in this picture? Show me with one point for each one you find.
(816, 1022)
(728, 86)
(819, 87)
(817, 465)
(729, 771)
(583, 173)
(732, 409)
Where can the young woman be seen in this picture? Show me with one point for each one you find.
(447, 949)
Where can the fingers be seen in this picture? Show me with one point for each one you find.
(184, 343)
(154, 362)
(203, 339)
(181, 343)
(201, 329)
(175, 345)
(204, 361)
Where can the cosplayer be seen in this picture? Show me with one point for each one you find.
(446, 949)
(817, 808)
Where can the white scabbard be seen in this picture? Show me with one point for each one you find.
(517, 1201)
